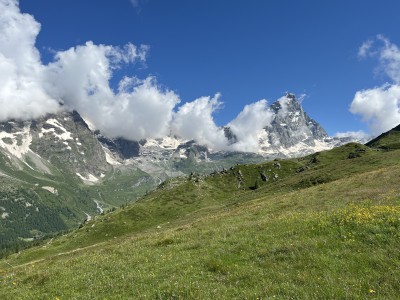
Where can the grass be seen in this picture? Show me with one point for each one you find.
(329, 231)
(74, 200)
(25, 201)
(388, 140)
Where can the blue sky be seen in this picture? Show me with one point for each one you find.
(245, 50)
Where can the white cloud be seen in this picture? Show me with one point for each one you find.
(365, 48)
(301, 98)
(80, 78)
(389, 56)
(22, 95)
(284, 102)
(387, 53)
(246, 126)
(359, 136)
(379, 107)
(194, 120)
(140, 109)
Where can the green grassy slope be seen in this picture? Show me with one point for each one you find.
(324, 226)
(30, 209)
(387, 140)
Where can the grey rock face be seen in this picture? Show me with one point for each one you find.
(66, 141)
(231, 137)
(291, 125)
(125, 149)
(62, 139)
(291, 133)
(193, 150)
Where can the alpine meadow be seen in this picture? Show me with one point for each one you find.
(286, 228)
(140, 159)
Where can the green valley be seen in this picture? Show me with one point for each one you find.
(322, 226)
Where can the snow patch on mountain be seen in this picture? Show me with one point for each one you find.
(50, 189)
(16, 143)
(299, 149)
(39, 163)
(110, 158)
(290, 133)
(98, 207)
(61, 133)
(88, 179)
(167, 142)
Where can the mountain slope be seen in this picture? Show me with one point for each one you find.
(57, 171)
(387, 140)
(291, 126)
(62, 139)
(177, 197)
(291, 133)
(54, 175)
(280, 229)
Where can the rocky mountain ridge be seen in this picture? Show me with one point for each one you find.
(291, 133)
(66, 141)
(66, 137)
(56, 171)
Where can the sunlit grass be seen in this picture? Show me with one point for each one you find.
(244, 253)
(209, 240)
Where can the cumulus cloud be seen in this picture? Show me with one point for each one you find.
(22, 95)
(194, 120)
(246, 126)
(379, 107)
(80, 76)
(79, 79)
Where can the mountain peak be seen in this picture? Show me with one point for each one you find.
(285, 104)
(292, 128)
(290, 96)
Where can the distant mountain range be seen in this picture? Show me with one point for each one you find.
(57, 171)
(287, 228)
(292, 133)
